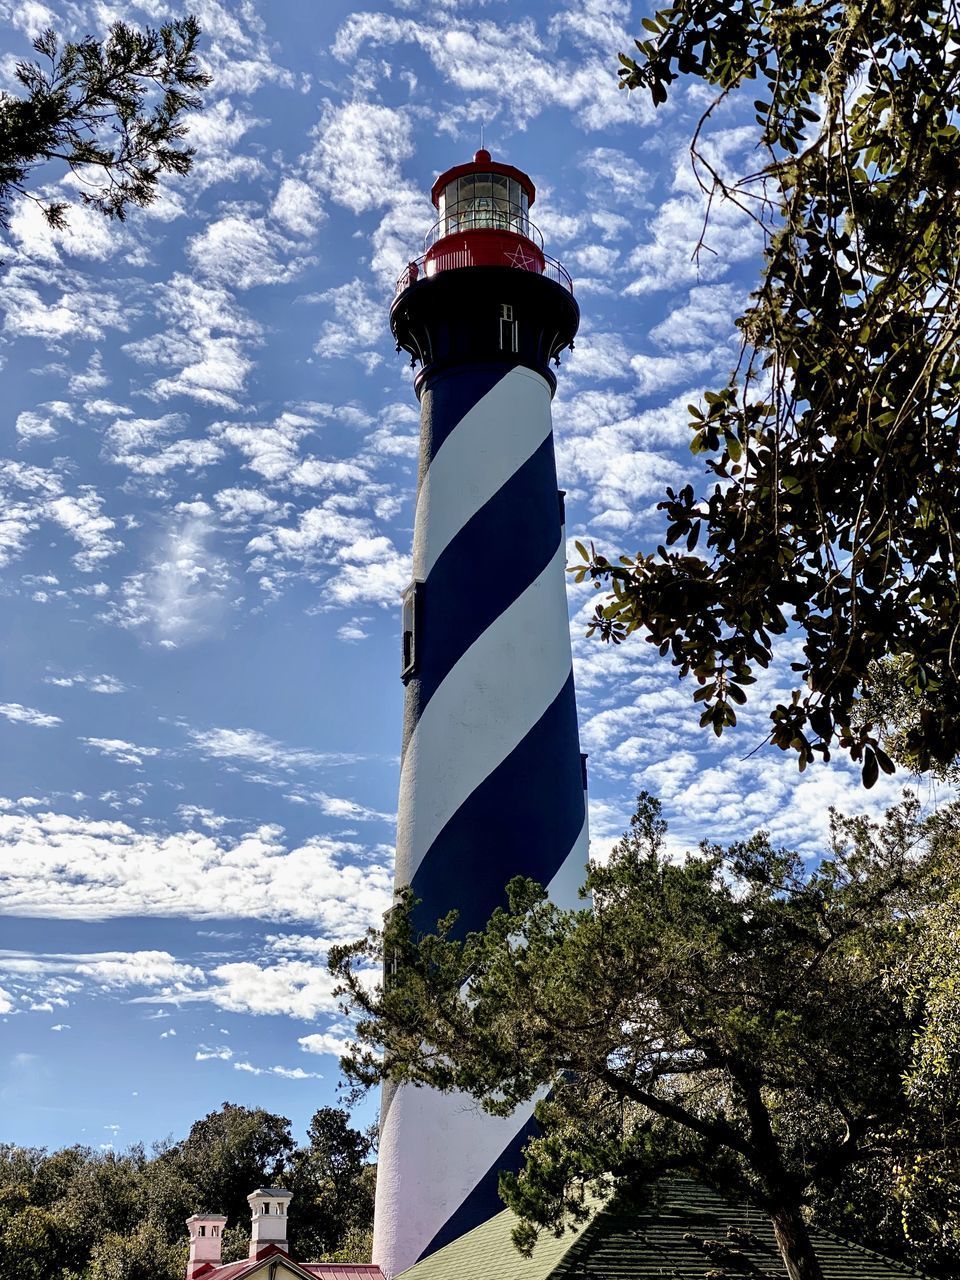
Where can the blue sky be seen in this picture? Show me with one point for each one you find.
(207, 470)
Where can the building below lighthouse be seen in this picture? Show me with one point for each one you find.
(492, 781)
(269, 1255)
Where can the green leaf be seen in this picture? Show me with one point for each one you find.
(870, 768)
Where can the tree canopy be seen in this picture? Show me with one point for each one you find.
(738, 1015)
(109, 110)
(80, 1214)
(832, 496)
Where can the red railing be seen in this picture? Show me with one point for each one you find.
(427, 266)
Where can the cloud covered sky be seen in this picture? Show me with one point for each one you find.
(206, 478)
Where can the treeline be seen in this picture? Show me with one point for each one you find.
(80, 1214)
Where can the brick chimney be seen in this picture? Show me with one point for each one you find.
(206, 1241)
(268, 1221)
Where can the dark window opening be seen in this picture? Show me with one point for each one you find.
(561, 496)
(583, 769)
(411, 609)
(508, 328)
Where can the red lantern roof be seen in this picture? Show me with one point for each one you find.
(482, 163)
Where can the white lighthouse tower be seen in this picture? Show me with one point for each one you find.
(492, 782)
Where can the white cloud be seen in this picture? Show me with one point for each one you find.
(296, 987)
(122, 752)
(81, 516)
(110, 970)
(215, 133)
(241, 506)
(87, 233)
(359, 327)
(342, 808)
(301, 944)
(243, 252)
(250, 747)
(352, 632)
(220, 1052)
(599, 356)
(95, 684)
(513, 63)
(320, 531)
(17, 521)
(137, 443)
(297, 207)
(398, 236)
(90, 379)
(662, 373)
(706, 318)
(273, 451)
(380, 582)
(667, 259)
(30, 16)
(325, 1042)
(237, 47)
(286, 1073)
(56, 865)
(191, 455)
(101, 407)
(595, 259)
(136, 969)
(613, 456)
(356, 156)
(206, 338)
(34, 426)
(206, 817)
(184, 592)
(36, 307)
(16, 713)
(616, 175)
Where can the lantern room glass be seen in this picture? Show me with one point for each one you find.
(484, 201)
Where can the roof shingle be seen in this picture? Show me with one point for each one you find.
(680, 1231)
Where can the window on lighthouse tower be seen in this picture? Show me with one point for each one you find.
(508, 328)
(411, 607)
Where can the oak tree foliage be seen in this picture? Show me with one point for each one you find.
(109, 110)
(739, 1016)
(832, 496)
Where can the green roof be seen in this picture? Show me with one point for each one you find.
(678, 1231)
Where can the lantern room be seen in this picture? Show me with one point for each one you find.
(483, 195)
(483, 220)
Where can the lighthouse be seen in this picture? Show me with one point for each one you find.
(492, 782)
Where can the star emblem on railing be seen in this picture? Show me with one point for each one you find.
(522, 258)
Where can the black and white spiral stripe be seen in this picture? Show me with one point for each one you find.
(491, 780)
